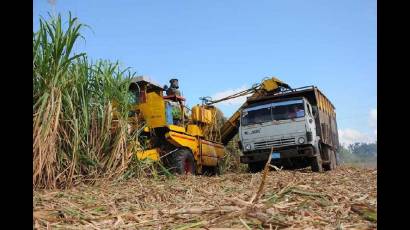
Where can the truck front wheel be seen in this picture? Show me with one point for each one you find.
(256, 166)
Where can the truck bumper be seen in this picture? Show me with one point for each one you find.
(285, 152)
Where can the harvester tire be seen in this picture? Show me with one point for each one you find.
(316, 164)
(256, 166)
(184, 162)
(211, 170)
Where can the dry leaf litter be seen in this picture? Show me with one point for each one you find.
(273, 199)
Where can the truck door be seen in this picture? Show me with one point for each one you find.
(311, 121)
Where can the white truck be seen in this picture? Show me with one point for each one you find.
(298, 124)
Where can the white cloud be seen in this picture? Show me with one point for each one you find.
(236, 101)
(373, 120)
(350, 136)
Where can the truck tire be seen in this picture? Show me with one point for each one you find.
(182, 161)
(256, 166)
(331, 159)
(316, 164)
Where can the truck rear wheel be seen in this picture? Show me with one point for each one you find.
(331, 164)
(182, 161)
(256, 166)
(316, 164)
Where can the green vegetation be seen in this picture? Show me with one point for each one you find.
(76, 104)
(358, 153)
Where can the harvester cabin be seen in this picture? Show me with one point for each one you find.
(153, 106)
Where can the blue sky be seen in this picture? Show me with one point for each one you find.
(217, 47)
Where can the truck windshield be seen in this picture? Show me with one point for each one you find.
(273, 111)
(291, 111)
(256, 116)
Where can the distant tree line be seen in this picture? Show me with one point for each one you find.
(358, 153)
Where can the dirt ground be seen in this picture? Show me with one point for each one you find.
(340, 199)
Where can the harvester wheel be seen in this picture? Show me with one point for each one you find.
(184, 162)
(211, 170)
(316, 164)
(256, 166)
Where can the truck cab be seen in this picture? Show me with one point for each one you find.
(282, 129)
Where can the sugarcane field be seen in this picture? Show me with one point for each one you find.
(115, 148)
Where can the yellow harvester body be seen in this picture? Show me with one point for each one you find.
(165, 135)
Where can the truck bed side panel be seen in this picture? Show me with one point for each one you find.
(327, 120)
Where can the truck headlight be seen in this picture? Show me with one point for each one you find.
(301, 140)
(248, 147)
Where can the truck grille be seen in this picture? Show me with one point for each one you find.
(275, 143)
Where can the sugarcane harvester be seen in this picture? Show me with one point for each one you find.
(182, 142)
(298, 124)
